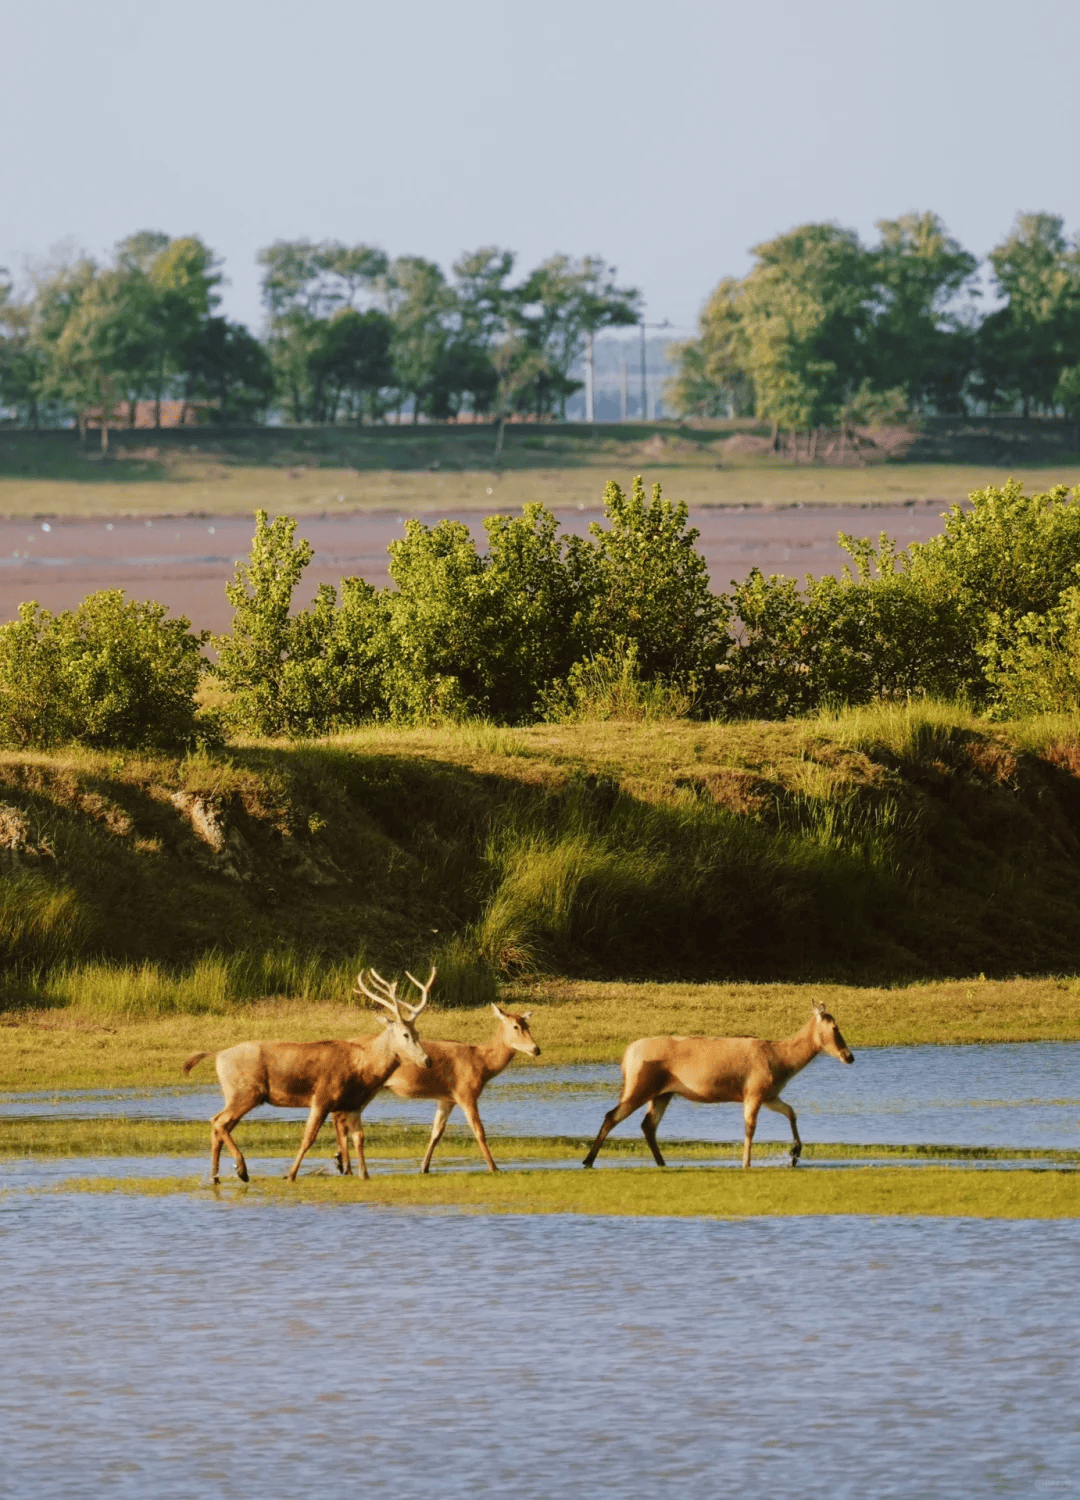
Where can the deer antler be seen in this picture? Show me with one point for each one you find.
(388, 999)
(425, 990)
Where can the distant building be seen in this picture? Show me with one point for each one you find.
(173, 414)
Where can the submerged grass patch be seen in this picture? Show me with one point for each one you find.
(52, 1138)
(698, 1192)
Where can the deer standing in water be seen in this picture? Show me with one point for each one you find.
(718, 1070)
(324, 1076)
(459, 1071)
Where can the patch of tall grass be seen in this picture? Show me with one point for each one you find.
(600, 875)
(41, 922)
(228, 983)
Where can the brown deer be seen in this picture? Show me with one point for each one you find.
(324, 1076)
(719, 1070)
(459, 1072)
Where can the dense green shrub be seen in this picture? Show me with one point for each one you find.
(623, 623)
(648, 586)
(875, 634)
(110, 673)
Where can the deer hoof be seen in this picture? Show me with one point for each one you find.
(339, 1164)
(242, 1173)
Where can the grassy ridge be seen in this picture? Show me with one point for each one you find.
(867, 848)
(424, 470)
(698, 1192)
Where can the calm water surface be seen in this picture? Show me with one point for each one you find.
(181, 1346)
(1024, 1094)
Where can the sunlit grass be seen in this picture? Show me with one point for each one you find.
(580, 1021)
(694, 1192)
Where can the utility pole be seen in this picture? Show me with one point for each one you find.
(589, 376)
(623, 391)
(644, 383)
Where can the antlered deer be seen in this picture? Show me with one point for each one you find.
(717, 1070)
(459, 1071)
(325, 1076)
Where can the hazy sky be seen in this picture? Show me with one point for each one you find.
(668, 137)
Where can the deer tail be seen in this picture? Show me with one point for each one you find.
(196, 1057)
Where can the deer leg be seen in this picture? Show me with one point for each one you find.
(341, 1134)
(356, 1122)
(472, 1114)
(653, 1115)
(750, 1114)
(316, 1116)
(442, 1114)
(781, 1107)
(626, 1106)
(220, 1126)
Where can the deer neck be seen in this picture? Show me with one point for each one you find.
(794, 1052)
(494, 1055)
(380, 1059)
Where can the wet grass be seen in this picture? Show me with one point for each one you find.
(53, 1138)
(698, 1192)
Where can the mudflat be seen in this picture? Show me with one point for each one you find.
(185, 561)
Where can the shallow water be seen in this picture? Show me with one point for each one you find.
(177, 1347)
(1023, 1094)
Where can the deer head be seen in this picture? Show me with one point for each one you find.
(400, 1017)
(515, 1030)
(828, 1036)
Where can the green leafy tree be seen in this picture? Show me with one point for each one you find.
(103, 345)
(421, 305)
(560, 306)
(303, 285)
(225, 365)
(920, 343)
(350, 366)
(1029, 341)
(712, 377)
(805, 316)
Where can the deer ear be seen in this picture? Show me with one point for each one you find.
(526, 1015)
(497, 1009)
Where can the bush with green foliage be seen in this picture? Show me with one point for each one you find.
(109, 673)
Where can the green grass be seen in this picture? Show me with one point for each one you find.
(573, 1021)
(44, 1137)
(698, 1192)
(422, 470)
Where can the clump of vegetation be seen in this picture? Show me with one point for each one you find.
(109, 673)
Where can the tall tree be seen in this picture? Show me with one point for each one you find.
(561, 305)
(303, 285)
(226, 366)
(1029, 340)
(421, 306)
(712, 378)
(919, 342)
(806, 320)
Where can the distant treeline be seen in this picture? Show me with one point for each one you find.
(350, 335)
(826, 331)
(545, 625)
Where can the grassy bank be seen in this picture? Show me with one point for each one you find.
(65, 1048)
(697, 1192)
(876, 847)
(441, 470)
